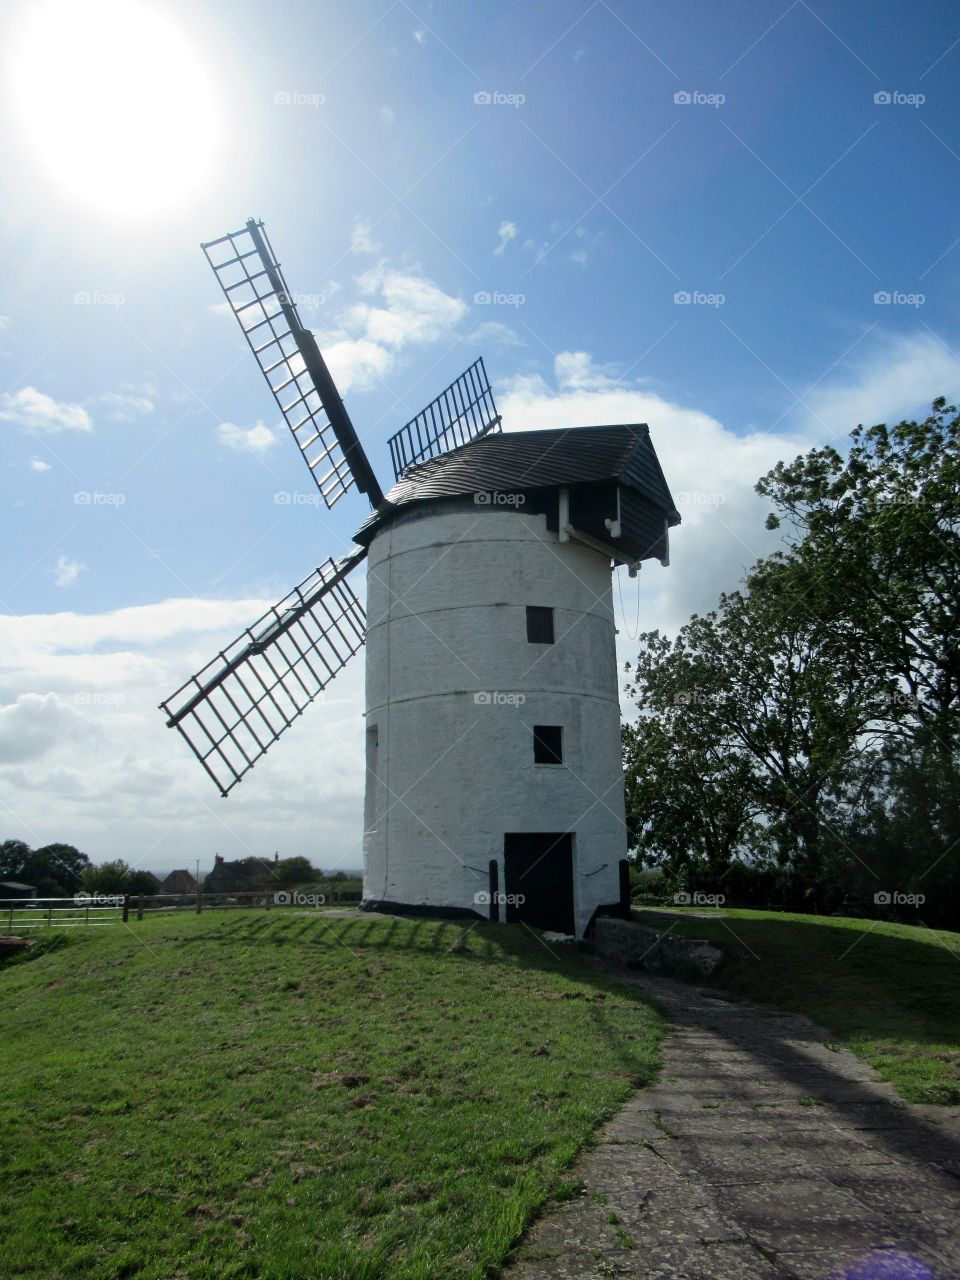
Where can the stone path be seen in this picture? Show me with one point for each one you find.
(762, 1154)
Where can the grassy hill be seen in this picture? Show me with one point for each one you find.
(887, 991)
(274, 1095)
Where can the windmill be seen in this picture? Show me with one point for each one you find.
(493, 779)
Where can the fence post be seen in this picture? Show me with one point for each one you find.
(11, 920)
(126, 907)
(140, 907)
(49, 915)
(199, 900)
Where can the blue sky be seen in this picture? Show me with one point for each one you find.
(735, 153)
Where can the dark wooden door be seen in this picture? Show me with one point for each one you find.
(538, 870)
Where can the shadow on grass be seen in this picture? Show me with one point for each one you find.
(475, 943)
(861, 979)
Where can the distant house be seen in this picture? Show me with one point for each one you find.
(179, 882)
(246, 875)
(14, 889)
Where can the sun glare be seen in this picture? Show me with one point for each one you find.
(115, 105)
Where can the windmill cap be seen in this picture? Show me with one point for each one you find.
(556, 457)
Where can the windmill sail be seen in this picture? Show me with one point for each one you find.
(290, 360)
(233, 710)
(463, 412)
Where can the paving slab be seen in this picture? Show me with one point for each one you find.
(762, 1154)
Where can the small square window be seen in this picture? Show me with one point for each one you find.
(539, 624)
(547, 744)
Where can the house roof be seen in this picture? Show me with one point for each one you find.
(179, 874)
(514, 460)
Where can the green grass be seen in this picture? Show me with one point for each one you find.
(267, 1095)
(886, 991)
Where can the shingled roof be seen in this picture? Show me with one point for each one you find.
(513, 460)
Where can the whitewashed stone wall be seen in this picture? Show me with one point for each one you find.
(448, 774)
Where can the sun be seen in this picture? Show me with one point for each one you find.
(115, 104)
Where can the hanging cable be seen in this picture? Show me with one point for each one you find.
(623, 615)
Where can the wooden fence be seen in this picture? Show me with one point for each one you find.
(92, 910)
(85, 911)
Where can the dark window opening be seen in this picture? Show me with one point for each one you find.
(547, 744)
(539, 624)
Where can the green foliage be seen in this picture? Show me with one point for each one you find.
(808, 728)
(55, 870)
(108, 877)
(253, 874)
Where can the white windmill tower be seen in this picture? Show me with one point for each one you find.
(494, 784)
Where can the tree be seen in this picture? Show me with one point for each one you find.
(13, 858)
(55, 869)
(292, 871)
(877, 537)
(753, 719)
(108, 877)
(690, 802)
(142, 882)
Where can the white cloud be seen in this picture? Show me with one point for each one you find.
(416, 310)
(892, 379)
(5, 323)
(494, 331)
(130, 400)
(357, 363)
(256, 439)
(711, 472)
(406, 310)
(67, 571)
(37, 464)
(37, 411)
(32, 724)
(420, 36)
(506, 232)
(360, 240)
(576, 370)
(388, 116)
(85, 755)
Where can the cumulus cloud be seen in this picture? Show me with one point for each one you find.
(397, 310)
(356, 363)
(37, 411)
(67, 571)
(506, 232)
(32, 724)
(420, 36)
(712, 468)
(388, 116)
(38, 464)
(414, 310)
(85, 755)
(256, 439)
(711, 471)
